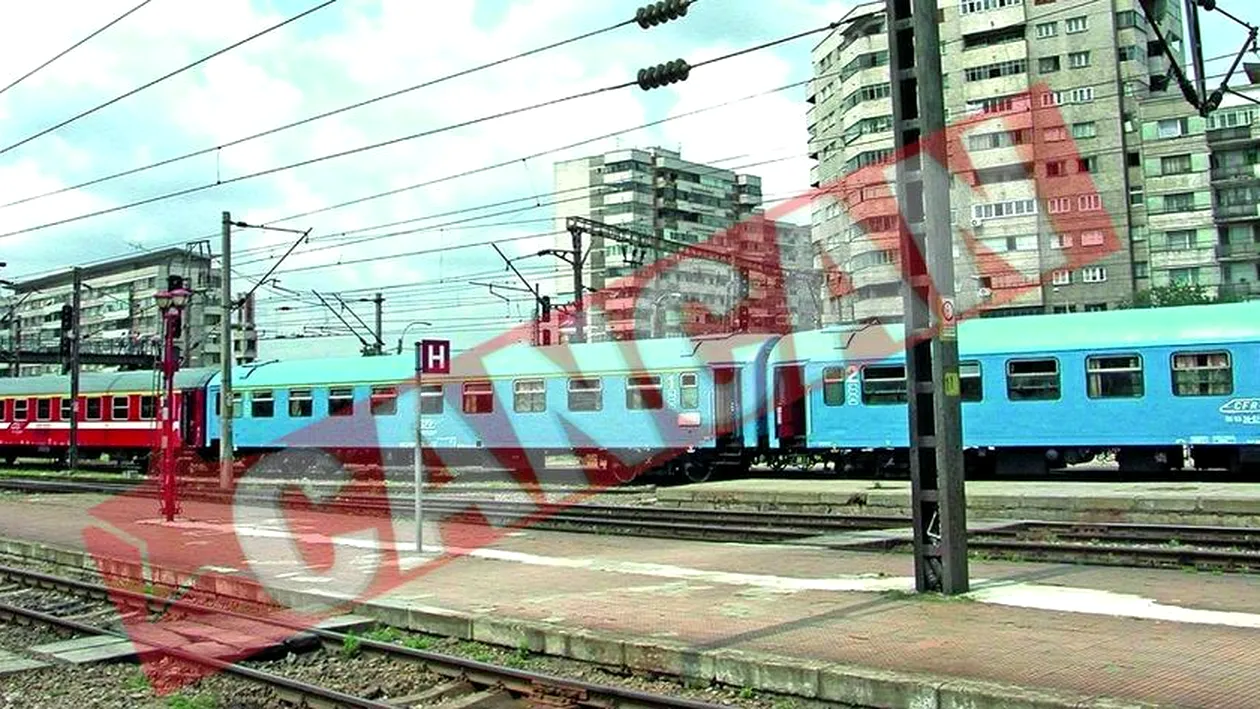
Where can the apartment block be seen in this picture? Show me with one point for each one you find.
(653, 192)
(1055, 96)
(118, 312)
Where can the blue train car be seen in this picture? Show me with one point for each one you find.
(1038, 392)
(673, 402)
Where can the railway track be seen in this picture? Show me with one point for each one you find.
(1233, 549)
(461, 682)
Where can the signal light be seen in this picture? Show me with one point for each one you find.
(658, 13)
(546, 308)
(663, 74)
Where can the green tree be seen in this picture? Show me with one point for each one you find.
(1171, 295)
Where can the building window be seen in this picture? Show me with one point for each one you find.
(586, 395)
(1182, 239)
(43, 409)
(431, 399)
(1056, 134)
(261, 405)
(1202, 374)
(1175, 164)
(1032, 380)
(1062, 277)
(689, 390)
(1183, 276)
(1137, 196)
(478, 397)
(1084, 130)
(971, 386)
(1095, 307)
(301, 404)
(120, 410)
(1010, 208)
(94, 409)
(384, 400)
(1141, 269)
(529, 396)
(1059, 205)
(833, 386)
(1078, 60)
(884, 384)
(997, 70)
(1094, 274)
(1089, 164)
(1047, 29)
(1172, 128)
(1089, 202)
(1047, 65)
(20, 410)
(1179, 202)
(1061, 241)
(1057, 168)
(644, 392)
(1114, 376)
(148, 407)
(966, 7)
(1127, 53)
(341, 401)
(1076, 24)
(1135, 159)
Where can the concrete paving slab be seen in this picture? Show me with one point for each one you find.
(348, 623)
(113, 650)
(74, 644)
(12, 664)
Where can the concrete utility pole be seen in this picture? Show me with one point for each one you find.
(225, 342)
(579, 326)
(927, 265)
(379, 300)
(75, 336)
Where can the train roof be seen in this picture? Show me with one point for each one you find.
(102, 382)
(514, 360)
(1182, 326)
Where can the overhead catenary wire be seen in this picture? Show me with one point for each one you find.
(74, 46)
(370, 146)
(166, 76)
(320, 116)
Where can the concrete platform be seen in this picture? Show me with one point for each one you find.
(1229, 504)
(832, 624)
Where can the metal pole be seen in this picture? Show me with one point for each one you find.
(226, 354)
(935, 416)
(168, 416)
(579, 327)
(74, 368)
(380, 334)
(419, 462)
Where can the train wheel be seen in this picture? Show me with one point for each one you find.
(696, 472)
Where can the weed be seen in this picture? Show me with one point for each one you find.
(384, 634)
(350, 646)
(418, 642)
(747, 692)
(200, 701)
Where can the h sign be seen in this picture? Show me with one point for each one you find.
(433, 356)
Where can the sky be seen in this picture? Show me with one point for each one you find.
(351, 51)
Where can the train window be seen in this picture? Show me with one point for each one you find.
(94, 408)
(148, 407)
(384, 401)
(970, 385)
(43, 409)
(478, 397)
(431, 401)
(4, 409)
(884, 384)
(833, 386)
(301, 405)
(586, 394)
(120, 408)
(689, 390)
(1032, 379)
(65, 409)
(341, 402)
(1202, 374)
(530, 396)
(1114, 376)
(20, 409)
(644, 392)
(262, 405)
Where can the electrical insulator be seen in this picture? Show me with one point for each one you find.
(658, 13)
(663, 74)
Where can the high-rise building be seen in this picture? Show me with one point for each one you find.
(118, 312)
(1096, 71)
(670, 201)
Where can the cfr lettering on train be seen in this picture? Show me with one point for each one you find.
(1244, 411)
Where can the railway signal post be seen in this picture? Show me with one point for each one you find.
(432, 357)
(927, 269)
(171, 304)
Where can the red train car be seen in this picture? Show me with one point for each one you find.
(118, 415)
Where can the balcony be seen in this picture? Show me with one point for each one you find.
(1238, 252)
(1236, 211)
(1236, 173)
(1222, 136)
(1239, 291)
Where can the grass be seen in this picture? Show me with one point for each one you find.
(199, 701)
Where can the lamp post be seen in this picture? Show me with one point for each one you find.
(408, 327)
(656, 312)
(171, 303)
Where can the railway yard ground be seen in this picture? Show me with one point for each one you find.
(820, 611)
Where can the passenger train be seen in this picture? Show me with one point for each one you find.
(1161, 389)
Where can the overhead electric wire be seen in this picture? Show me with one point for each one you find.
(74, 46)
(164, 77)
(320, 116)
(380, 144)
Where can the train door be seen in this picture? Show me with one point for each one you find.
(789, 404)
(727, 407)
